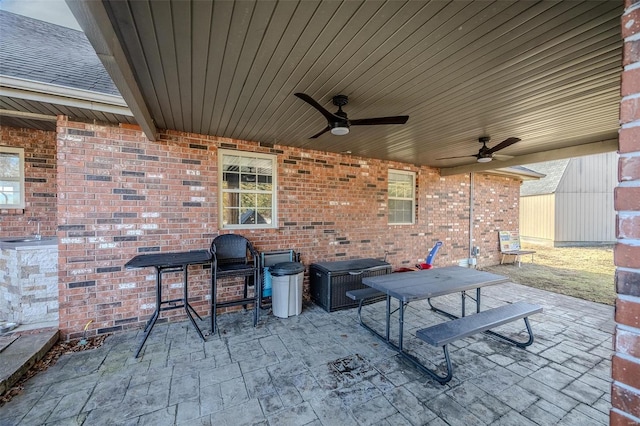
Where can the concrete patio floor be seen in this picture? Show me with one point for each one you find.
(325, 369)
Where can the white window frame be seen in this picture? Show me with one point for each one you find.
(19, 179)
(221, 193)
(412, 198)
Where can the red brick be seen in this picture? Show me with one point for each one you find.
(630, 83)
(626, 256)
(627, 342)
(626, 371)
(625, 400)
(618, 419)
(628, 226)
(627, 313)
(628, 283)
(630, 23)
(629, 140)
(626, 198)
(628, 169)
(629, 110)
(631, 52)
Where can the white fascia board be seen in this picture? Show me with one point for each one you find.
(62, 95)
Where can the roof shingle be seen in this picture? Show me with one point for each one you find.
(48, 53)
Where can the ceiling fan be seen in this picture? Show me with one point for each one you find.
(339, 124)
(485, 154)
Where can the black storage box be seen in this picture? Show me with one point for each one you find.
(331, 280)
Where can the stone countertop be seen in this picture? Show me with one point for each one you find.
(7, 243)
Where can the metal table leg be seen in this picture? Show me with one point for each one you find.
(187, 306)
(159, 302)
(388, 316)
(156, 313)
(400, 325)
(213, 304)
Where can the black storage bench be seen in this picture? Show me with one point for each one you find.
(330, 281)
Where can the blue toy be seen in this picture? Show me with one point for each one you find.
(428, 263)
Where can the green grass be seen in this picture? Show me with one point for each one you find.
(583, 272)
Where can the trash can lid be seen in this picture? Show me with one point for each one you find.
(286, 268)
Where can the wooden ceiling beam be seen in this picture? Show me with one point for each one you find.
(94, 20)
(538, 157)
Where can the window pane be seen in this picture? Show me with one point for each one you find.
(231, 216)
(264, 201)
(9, 165)
(255, 217)
(248, 182)
(9, 192)
(230, 199)
(231, 181)
(265, 183)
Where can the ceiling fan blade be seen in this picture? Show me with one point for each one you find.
(399, 119)
(326, 129)
(308, 99)
(502, 157)
(451, 158)
(502, 145)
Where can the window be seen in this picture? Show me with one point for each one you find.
(248, 193)
(401, 197)
(11, 178)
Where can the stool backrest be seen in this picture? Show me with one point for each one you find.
(231, 248)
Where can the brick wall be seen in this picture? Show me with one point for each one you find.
(40, 186)
(625, 395)
(121, 195)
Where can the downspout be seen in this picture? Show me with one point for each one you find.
(471, 199)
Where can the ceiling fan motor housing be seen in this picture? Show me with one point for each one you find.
(338, 123)
(340, 100)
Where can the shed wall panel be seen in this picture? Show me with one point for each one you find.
(590, 174)
(584, 218)
(537, 218)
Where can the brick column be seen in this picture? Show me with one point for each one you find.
(625, 391)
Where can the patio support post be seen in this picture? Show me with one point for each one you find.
(625, 389)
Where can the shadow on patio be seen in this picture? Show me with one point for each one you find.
(325, 369)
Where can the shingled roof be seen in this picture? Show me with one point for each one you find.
(47, 53)
(554, 170)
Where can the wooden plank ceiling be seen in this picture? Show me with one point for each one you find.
(546, 72)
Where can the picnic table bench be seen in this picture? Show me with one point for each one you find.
(364, 295)
(440, 335)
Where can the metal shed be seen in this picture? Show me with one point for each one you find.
(573, 204)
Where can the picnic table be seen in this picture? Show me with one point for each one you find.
(408, 287)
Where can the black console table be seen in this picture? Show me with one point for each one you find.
(164, 263)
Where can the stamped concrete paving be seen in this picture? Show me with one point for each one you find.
(324, 369)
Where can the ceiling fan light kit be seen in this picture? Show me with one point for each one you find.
(484, 159)
(338, 123)
(340, 130)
